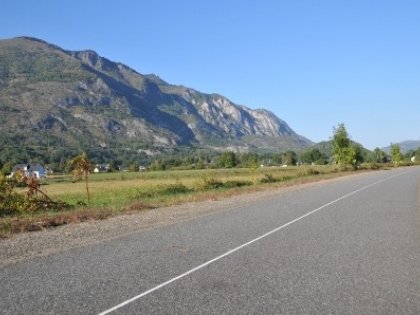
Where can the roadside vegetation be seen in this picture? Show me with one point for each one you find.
(64, 200)
(79, 194)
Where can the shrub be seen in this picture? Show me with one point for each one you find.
(312, 171)
(173, 189)
(372, 166)
(13, 203)
(236, 183)
(308, 172)
(211, 183)
(164, 190)
(268, 178)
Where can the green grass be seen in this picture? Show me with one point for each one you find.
(119, 192)
(116, 189)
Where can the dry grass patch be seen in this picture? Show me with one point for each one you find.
(9, 226)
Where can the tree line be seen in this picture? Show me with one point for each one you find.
(341, 150)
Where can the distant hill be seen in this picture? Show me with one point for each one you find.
(54, 98)
(405, 146)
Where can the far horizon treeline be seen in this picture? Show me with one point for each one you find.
(56, 158)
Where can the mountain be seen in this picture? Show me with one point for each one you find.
(405, 146)
(54, 98)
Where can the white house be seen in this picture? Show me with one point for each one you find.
(30, 170)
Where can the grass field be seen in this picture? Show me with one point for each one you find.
(122, 192)
(116, 190)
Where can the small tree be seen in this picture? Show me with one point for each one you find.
(114, 165)
(380, 156)
(80, 167)
(396, 154)
(345, 152)
(289, 158)
(355, 156)
(341, 145)
(227, 160)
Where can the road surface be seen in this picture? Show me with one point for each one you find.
(348, 246)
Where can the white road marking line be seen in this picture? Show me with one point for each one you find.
(163, 284)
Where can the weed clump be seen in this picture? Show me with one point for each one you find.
(164, 190)
(211, 183)
(236, 183)
(173, 189)
(268, 178)
(308, 172)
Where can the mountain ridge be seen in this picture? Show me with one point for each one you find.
(45, 89)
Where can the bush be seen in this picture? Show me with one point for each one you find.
(164, 190)
(268, 178)
(312, 171)
(308, 172)
(13, 203)
(211, 183)
(236, 183)
(10, 201)
(16, 204)
(372, 166)
(173, 189)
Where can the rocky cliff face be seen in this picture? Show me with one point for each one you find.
(79, 97)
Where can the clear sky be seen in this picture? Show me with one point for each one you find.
(314, 63)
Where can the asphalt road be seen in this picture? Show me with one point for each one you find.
(350, 246)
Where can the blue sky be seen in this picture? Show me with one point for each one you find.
(314, 63)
